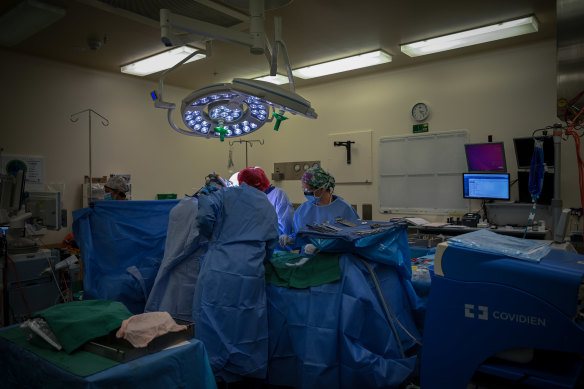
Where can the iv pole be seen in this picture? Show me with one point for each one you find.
(104, 122)
(247, 142)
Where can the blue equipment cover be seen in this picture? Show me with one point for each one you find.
(555, 279)
(345, 334)
(230, 300)
(482, 304)
(122, 246)
(491, 242)
(174, 287)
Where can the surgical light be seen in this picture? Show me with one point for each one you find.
(343, 65)
(161, 61)
(278, 79)
(238, 108)
(242, 106)
(475, 36)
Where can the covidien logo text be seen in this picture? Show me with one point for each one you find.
(481, 312)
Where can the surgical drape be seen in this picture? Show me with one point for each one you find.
(338, 335)
(122, 245)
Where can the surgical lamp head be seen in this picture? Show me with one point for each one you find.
(239, 108)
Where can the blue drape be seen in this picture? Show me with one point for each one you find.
(122, 246)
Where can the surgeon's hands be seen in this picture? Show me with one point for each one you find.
(310, 249)
(285, 240)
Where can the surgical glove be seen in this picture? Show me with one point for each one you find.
(310, 249)
(285, 240)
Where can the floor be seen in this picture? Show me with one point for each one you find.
(479, 381)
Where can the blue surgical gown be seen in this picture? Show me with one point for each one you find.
(284, 210)
(230, 299)
(175, 282)
(308, 213)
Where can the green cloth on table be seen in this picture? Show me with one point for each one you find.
(77, 322)
(80, 363)
(318, 270)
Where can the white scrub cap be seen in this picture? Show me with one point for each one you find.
(118, 183)
(234, 179)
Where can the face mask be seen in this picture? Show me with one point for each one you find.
(311, 198)
(108, 196)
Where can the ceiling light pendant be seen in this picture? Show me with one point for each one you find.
(472, 37)
(161, 61)
(343, 65)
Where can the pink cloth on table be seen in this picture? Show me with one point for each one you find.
(140, 329)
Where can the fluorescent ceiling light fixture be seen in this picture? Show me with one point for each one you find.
(161, 61)
(343, 65)
(472, 37)
(278, 79)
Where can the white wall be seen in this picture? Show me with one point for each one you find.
(506, 93)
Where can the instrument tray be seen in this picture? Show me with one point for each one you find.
(121, 350)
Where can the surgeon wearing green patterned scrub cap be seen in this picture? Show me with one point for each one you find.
(321, 205)
(318, 186)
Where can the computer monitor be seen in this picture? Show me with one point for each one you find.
(524, 151)
(486, 186)
(45, 208)
(485, 157)
(547, 191)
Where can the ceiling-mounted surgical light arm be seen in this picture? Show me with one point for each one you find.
(256, 39)
(170, 21)
(157, 95)
(278, 41)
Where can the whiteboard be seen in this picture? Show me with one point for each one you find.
(422, 173)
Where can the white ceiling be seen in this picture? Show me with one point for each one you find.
(313, 30)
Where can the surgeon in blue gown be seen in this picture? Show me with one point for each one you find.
(230, 307)
(175, 282)
(321, 204)
(256, 177)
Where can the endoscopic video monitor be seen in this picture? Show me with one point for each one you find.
(524, 151)
(485, 157)
(486, 186)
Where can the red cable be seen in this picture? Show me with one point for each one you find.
(570, 131)
(569, 103)
(67, 286)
